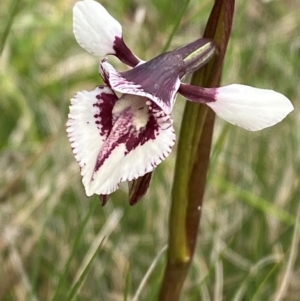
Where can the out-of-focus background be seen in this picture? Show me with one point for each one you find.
(49, 230)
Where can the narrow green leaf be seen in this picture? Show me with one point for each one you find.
(255, 201)
(78, 238)
(262, 284)
(127, 287)
(6, 29)
(83, 275)
(176, 25)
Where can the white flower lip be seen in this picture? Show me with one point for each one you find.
(116, 140)
(94, 28)
(250, 108)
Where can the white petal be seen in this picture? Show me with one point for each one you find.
(133, 148)
(250, 108)
(90, 120)
(94, 28)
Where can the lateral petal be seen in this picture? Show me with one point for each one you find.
(89, 124)
(142, 136)
(94, 28)
(250, 108)
(99, 33)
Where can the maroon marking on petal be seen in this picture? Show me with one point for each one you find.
(198, 94)
(149, 132)
(103, 103)
(103, 118)
(104, 74)
(125, 132)
(116, 136)
(123, 53)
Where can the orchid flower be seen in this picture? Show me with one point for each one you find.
(117, 139)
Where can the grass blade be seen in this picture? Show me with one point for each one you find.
(63, 276)
(11, 15)
(84, 273)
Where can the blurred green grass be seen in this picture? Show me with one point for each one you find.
(249, 237)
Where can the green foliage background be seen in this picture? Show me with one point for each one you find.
(50, 231)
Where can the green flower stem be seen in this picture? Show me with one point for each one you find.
(187, 196)
(178, 247)
(193, 159)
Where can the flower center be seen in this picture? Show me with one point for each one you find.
(136, 106)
